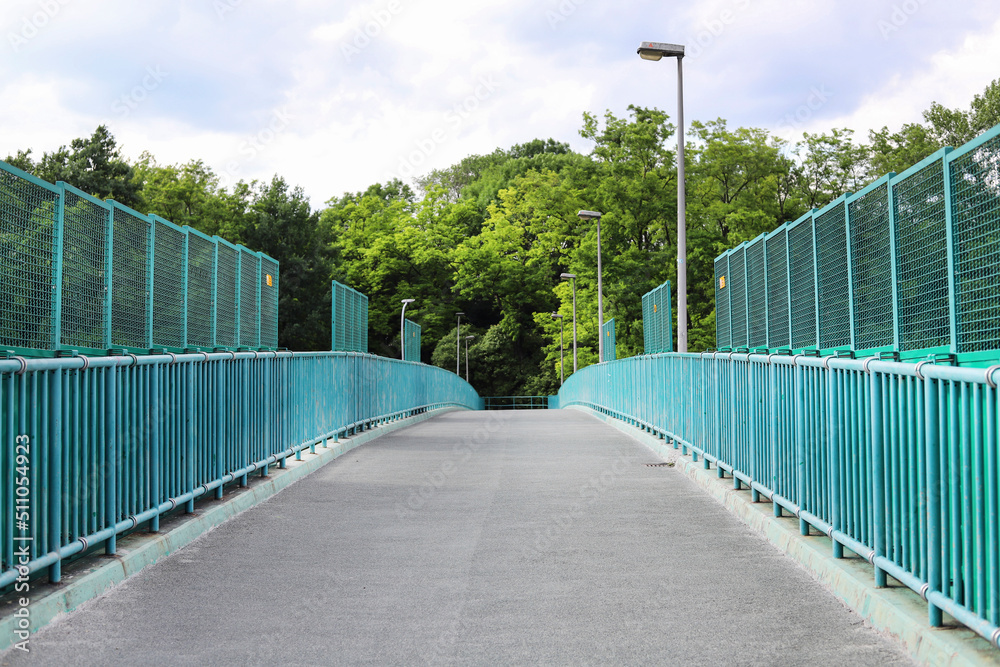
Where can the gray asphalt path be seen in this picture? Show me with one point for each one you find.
(475, 538)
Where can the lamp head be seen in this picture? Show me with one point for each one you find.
(656, 50)
(408, 300)
(567, 276)
(556, 316)
(590, 215)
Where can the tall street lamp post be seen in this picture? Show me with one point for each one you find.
(458, 345)
(656, 51)
(402, 328)
(572, 278)
(467, 339)
(562, 329)
(596, 215)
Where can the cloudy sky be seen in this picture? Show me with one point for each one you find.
(338, 94)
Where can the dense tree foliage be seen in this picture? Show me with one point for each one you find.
(491, 235)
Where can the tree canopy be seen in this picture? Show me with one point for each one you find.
(490, 235)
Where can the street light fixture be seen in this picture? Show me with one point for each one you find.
(656, 51)
(458, 345)
(402, 328)
(595, 215)
(572, 277)
(562, 329)
(467, 339)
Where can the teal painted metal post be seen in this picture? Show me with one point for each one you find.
(109, 275)
(850, 272)
(150, 286)
(800, 443)
(835, 398)
(155, 421)
(184, 286)
(245, 417)
(893, 264)
(934, 541)
(57, 269)
(215, 306)
(55, 485)
(110, 454)
(949, 212)
(189, 434)
(878, 475)
(220, 417)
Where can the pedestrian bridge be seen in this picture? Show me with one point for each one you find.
(516, 536)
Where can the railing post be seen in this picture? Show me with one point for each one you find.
(834, 398)
(189, 436)
(54, 453)
(155, 419)
(878, 474)
(800, 443)
(110, 454)
(933, 434)
(222, 400)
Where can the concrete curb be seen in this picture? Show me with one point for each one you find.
(896, 610)
(139, 550)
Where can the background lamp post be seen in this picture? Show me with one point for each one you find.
(562, 328)
(572, 277)
(656, 51)
(402, 328)
(467, 339)
(458, 345)
(596, 215)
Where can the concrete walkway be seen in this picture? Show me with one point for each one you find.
(475, 538)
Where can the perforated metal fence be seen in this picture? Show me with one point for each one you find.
(756, 271)
(723, 336)
(610, 343)
(268, 301)
(92, 276)
(906, 268)
(411, 340)
(349, 325)
(657, 320)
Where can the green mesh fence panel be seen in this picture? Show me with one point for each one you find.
(831, 273)
(363, 330)
(663, 315)
(85, 271)
(200, 292)
(129, 288)
(723, 333)
(28, 210)
(756, 294)
(738, 296)
(268, 302)
(249, 298)
(922, 258)
(871, 264)
(610, 343)
(777, 289)
(647, 323)
(975, 219)
(349, 323)
(226, 287)
(169, 308)
(411, 347)
(657, 327)
(802, 280)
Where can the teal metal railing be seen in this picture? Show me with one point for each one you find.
(898, 462)
(905, 268)
(88, 275)
(94, 447)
